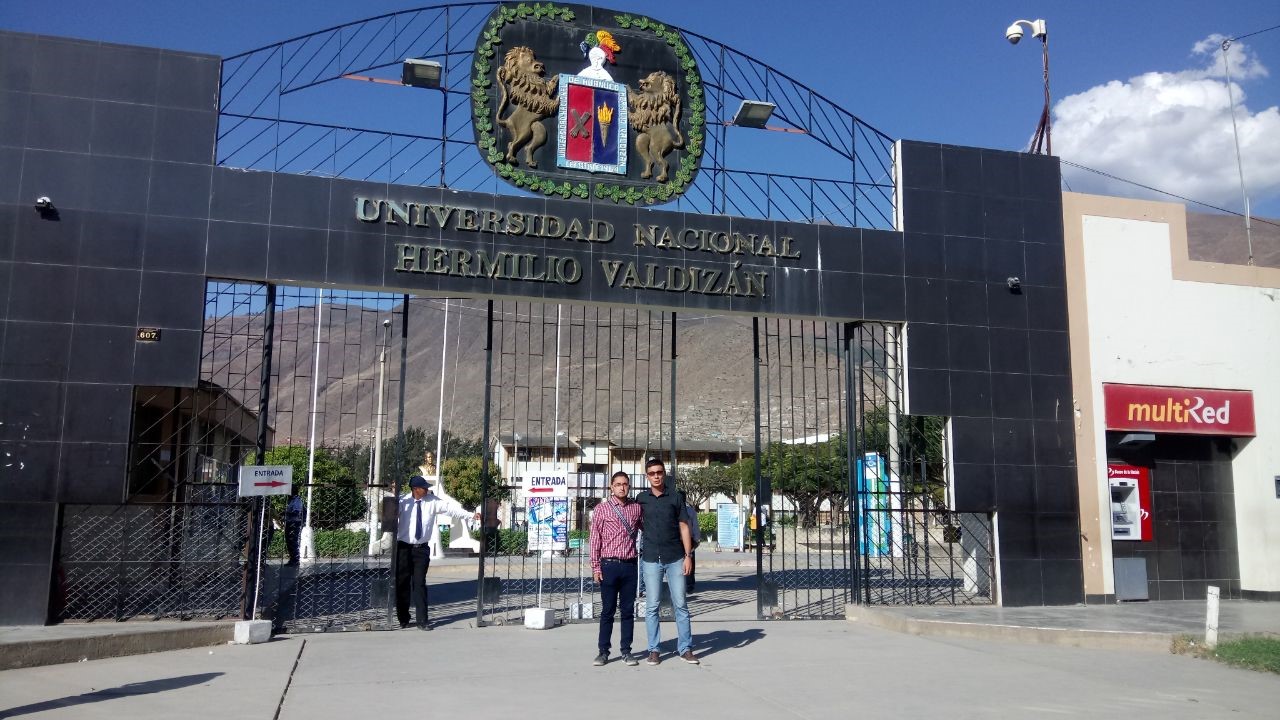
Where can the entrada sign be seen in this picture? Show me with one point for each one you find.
(587, 103)
(1200, 411)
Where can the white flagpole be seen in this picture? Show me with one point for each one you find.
(307, 540)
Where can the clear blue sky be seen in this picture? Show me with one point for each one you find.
(938, 71)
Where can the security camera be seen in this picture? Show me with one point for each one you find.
(386, 323)
(44, 203)
(1014, 33)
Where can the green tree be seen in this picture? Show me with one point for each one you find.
(703, 482)
(401, 463)
(337, 497)
(462, 480)
(919, 445)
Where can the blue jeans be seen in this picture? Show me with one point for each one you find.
(654, 574)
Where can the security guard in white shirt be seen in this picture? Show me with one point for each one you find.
(415, 522)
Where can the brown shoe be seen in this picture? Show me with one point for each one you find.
(652, 659)
(689, 658)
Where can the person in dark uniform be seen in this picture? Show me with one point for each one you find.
(295, 513)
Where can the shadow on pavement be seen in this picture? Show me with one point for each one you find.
(705, 644)
(127, 690)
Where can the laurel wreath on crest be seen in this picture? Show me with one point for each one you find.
(482, 84)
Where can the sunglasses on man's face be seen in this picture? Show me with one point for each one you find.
(655, 473)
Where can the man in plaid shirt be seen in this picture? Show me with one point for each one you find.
(614, 523)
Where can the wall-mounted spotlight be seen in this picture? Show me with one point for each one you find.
(421, 73)
(753, 113)
(1014, 284)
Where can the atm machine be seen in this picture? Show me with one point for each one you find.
(1126, 509)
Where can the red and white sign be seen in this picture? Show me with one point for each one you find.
(1195, 411)
(1142, 476)
(545, 484)
(265, 480)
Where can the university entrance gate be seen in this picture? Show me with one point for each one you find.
(577, 313)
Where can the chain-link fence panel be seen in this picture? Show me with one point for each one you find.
(161, 560)
(323, 569)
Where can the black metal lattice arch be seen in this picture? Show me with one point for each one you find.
(260, 130)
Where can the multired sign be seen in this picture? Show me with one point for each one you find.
(1130, 508)
(1196, 411)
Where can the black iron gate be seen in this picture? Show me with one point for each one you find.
(575, 386)
(852, 501)
(912, 545)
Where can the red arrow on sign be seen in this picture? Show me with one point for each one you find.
(541, 490)
(270, 483)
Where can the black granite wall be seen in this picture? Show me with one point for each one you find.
(125, 152)
(121, 139)
(1193, 507)
(995, 360)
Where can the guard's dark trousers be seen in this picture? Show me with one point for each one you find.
(412, 562)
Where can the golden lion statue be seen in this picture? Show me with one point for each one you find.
(532, 100)
(655, 118)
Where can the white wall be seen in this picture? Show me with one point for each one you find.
(1145, 327)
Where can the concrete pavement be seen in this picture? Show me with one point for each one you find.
(751, 669)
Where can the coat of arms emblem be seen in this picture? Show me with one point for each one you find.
(628, 117)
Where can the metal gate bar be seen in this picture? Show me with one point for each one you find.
(568, 383)
(802, 535)
(912, 546)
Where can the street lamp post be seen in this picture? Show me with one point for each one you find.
(1043, 139)
(515, 456)
(740, 498)
(375, 538)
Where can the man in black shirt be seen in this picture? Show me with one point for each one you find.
(666, 556)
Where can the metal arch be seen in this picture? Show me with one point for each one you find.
(254, 135)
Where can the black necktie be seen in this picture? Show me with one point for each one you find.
(417, 522)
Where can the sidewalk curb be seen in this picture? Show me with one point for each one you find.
(35, 653)
(1095, 639)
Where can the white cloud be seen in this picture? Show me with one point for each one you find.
(1172, 130)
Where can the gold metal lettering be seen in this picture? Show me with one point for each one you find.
(552, 226)
(709, 278)
(397, 211)
(677, 279)
(574, 231)
(575, 269)
(630, 278)
(602, 231)
(515, 223)
(645, 234)
(490, 220)
(533, 264)
(668, 238)
(362, 209)
(610, 268)
(651, 280)
(442, 214)
(720, 242)
(461, 263)
(408, 257)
